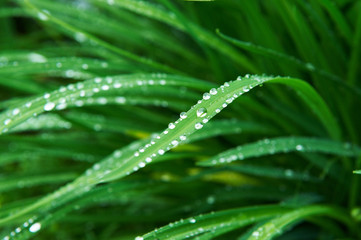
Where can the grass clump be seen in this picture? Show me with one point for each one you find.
(128, 119)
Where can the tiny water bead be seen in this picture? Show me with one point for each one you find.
(49, 106)
(171, 125)
(192, 220)
(299, 147)
(206, 96)
(213, 91)
(7, 121)
(202, 112)
(35, 227)
(198, 125)
(138, 238)
(183, 115)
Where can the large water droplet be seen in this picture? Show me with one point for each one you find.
(35, 227)
(299, 147)
(213, 91)
(206, 96)
(202, 112)
(183, 115)
(49, 106)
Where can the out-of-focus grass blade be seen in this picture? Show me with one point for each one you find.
(224, 127)
(282, 145)
(155, 12)
(357, 171)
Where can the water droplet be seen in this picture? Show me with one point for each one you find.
(205, 120)
(139, 238)
(141, 164)
(288, 172)
(49, 106)
(7, 121)
(105, 87)
(160, 151)
(211, 199)
(42, 16)
(255, 234)
(171, 126)
(218, 110)
(182, 137)
(206, 96)
(202, 112)
(46, 96)
(183, 115)
(35, 227)
(80, 37)
(198, 125)
(136, 154)
(213, 91)
(84, 66)
(299, 147)
(192, 220)
(174, 142)
(17, 230)
(148, 160)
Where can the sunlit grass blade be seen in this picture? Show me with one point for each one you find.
(205, 224)
(283, 145)
(278, 225)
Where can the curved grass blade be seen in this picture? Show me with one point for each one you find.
(283, 145)
(153, 11)
(223, 221)
(224, 127)
(46, 16)
(278, 225)
(141, 153)
(85, 92)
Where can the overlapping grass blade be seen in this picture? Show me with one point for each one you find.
(278, 225)
(213, 223)
(283, 145)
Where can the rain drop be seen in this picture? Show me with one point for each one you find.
(7, 121)
(213, 91)
(35, 227)
(49, 106)
(192, 220)
(183, 115)
(198, 125)
(206, 96)
(171, 126)
(299, 147)
(202, 112)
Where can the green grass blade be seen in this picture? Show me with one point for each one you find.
(228, 220)
(278, 225)
(283, 145)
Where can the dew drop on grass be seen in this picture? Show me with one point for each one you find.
(7, 121)
(183, 137)
(213, 91)
(255, 234)
(160, 151)
(49, 106)
(171, 126)
(299, 147)
(138, 238)
(42, 16)
(183, 115)
(35, 227)
(192, 220)
(202, 112)
(198, 125)
(206, 96)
